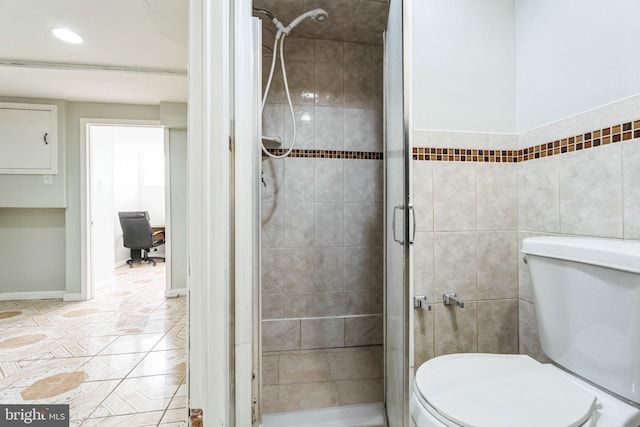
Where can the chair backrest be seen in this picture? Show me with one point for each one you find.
(136, 230)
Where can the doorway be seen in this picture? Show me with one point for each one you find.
(126, 169)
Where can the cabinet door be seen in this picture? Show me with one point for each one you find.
(28, 139)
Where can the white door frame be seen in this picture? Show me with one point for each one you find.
(86, 273)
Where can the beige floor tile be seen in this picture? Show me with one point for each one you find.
(143, 394)
(34, 371)
(175, 416)
(132, 344)
(80, 353)
(137, 420)
(112, 366)
(161, 362)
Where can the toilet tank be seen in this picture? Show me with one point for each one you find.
(587, 300)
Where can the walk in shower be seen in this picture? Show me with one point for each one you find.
(322, 205)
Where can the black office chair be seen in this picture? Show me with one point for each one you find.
(138, 236)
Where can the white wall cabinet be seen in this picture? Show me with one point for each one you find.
(28, 139)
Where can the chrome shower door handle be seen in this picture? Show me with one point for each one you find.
(412, 239)
(393, 224)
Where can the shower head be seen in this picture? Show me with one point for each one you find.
(319, 15)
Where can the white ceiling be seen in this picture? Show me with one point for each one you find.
(134, 51)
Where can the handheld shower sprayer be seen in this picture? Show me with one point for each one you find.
(318, 15)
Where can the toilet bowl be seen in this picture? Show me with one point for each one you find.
(587, 301)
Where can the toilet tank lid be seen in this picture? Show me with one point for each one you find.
(611, 253)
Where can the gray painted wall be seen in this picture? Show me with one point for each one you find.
(34, 235)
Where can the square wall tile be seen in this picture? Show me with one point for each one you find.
(363, 330)
(329, 51)
(422, 188)
(423, 334)
(591, 192)
(496, 196)
(272, 271)
(423, 264)
(272, 306)
(455, 264)
(301, 79)
(498, 326)
(298, 224)
(327, 135)
(529, 342)
(356, 53)
(456, 329)
(273, 120)
(357, 271)
(322, 333)
(357, 129)
(631, 189)
(454, 196)
(298, 305)
(298, 179)
(298, 267)
(298, 48)
(539, 195)
(358, 83)
(356, 302)
(357, 224)
(273, 176)
(328, 269)
(329, 180)
(357, 181)
(269, 370)
(329, 83)
(304, 116)
(280, 335)
(329, 226)
(497, 265)
(327, 304)
(272, 224)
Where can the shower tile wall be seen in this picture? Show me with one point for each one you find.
(322, 217)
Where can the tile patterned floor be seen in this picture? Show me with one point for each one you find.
(117, 360)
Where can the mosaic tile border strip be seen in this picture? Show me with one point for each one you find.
(463, 155)
(595, 138)
(328, 154)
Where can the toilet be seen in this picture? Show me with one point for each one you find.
(587, 300)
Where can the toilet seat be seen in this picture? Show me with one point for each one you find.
(478, 390)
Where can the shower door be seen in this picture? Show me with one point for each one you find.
(397, 217)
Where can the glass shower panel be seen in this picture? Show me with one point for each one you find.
(396, 221)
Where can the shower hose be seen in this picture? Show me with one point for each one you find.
(279, 40)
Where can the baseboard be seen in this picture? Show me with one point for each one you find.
(10, 296)
(120, 263)
(174, 293)
(73, 297)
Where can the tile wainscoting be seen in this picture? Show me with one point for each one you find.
(577, 176)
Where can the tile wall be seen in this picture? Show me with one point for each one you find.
(466, 242)
(322, 208)
(589, 192)
(572, 177)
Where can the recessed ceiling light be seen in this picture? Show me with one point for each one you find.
(67, 35)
